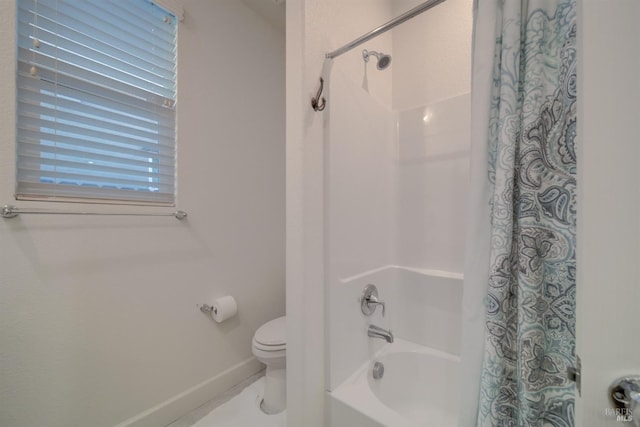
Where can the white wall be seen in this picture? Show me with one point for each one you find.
(98, 315)
(608, 288)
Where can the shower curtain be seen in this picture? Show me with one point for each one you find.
(519, 300)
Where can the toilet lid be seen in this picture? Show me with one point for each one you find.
(272, 333)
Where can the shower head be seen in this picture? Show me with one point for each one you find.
(384, 60)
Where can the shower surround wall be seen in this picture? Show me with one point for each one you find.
(98, 316)
(431, 84)
(397, 167)
(396, 180)
(315, 27)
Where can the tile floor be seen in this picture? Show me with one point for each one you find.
(239, 407)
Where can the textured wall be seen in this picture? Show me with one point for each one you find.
(98, 315)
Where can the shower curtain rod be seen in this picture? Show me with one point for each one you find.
(385, 27)
(10, 211)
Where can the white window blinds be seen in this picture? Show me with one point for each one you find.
(96, 92)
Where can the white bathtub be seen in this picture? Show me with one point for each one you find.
(419, 389)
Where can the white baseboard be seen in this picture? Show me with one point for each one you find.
(177, 406)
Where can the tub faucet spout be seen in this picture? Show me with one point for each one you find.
(377, 332)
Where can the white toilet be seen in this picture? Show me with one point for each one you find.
(270, 347)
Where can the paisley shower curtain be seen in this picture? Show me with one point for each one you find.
(525, 149)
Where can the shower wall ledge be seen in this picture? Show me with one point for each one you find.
(423, 271)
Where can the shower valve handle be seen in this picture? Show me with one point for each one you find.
(374, 300)
(369, 301)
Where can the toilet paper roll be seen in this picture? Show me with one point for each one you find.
(224, 308)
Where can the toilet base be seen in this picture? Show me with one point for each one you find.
(275, 391)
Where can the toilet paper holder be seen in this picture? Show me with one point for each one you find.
(208, 309)
(222, 309)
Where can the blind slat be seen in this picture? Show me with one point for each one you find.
(99, 136)
(96, 91)
(37, 150)
(126, 68)
(127, 52)
(54, 81)
(43, 138)
(62, 169)
(36, 113)
(76, 74)
(40, 191)
(126, 109)
(66, 12)
(83, 180)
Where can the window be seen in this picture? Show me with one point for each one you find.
(96, 94)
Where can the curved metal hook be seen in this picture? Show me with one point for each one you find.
(315, 101)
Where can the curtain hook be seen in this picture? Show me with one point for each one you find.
(315, 101)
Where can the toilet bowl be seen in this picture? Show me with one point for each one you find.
(270, 347)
